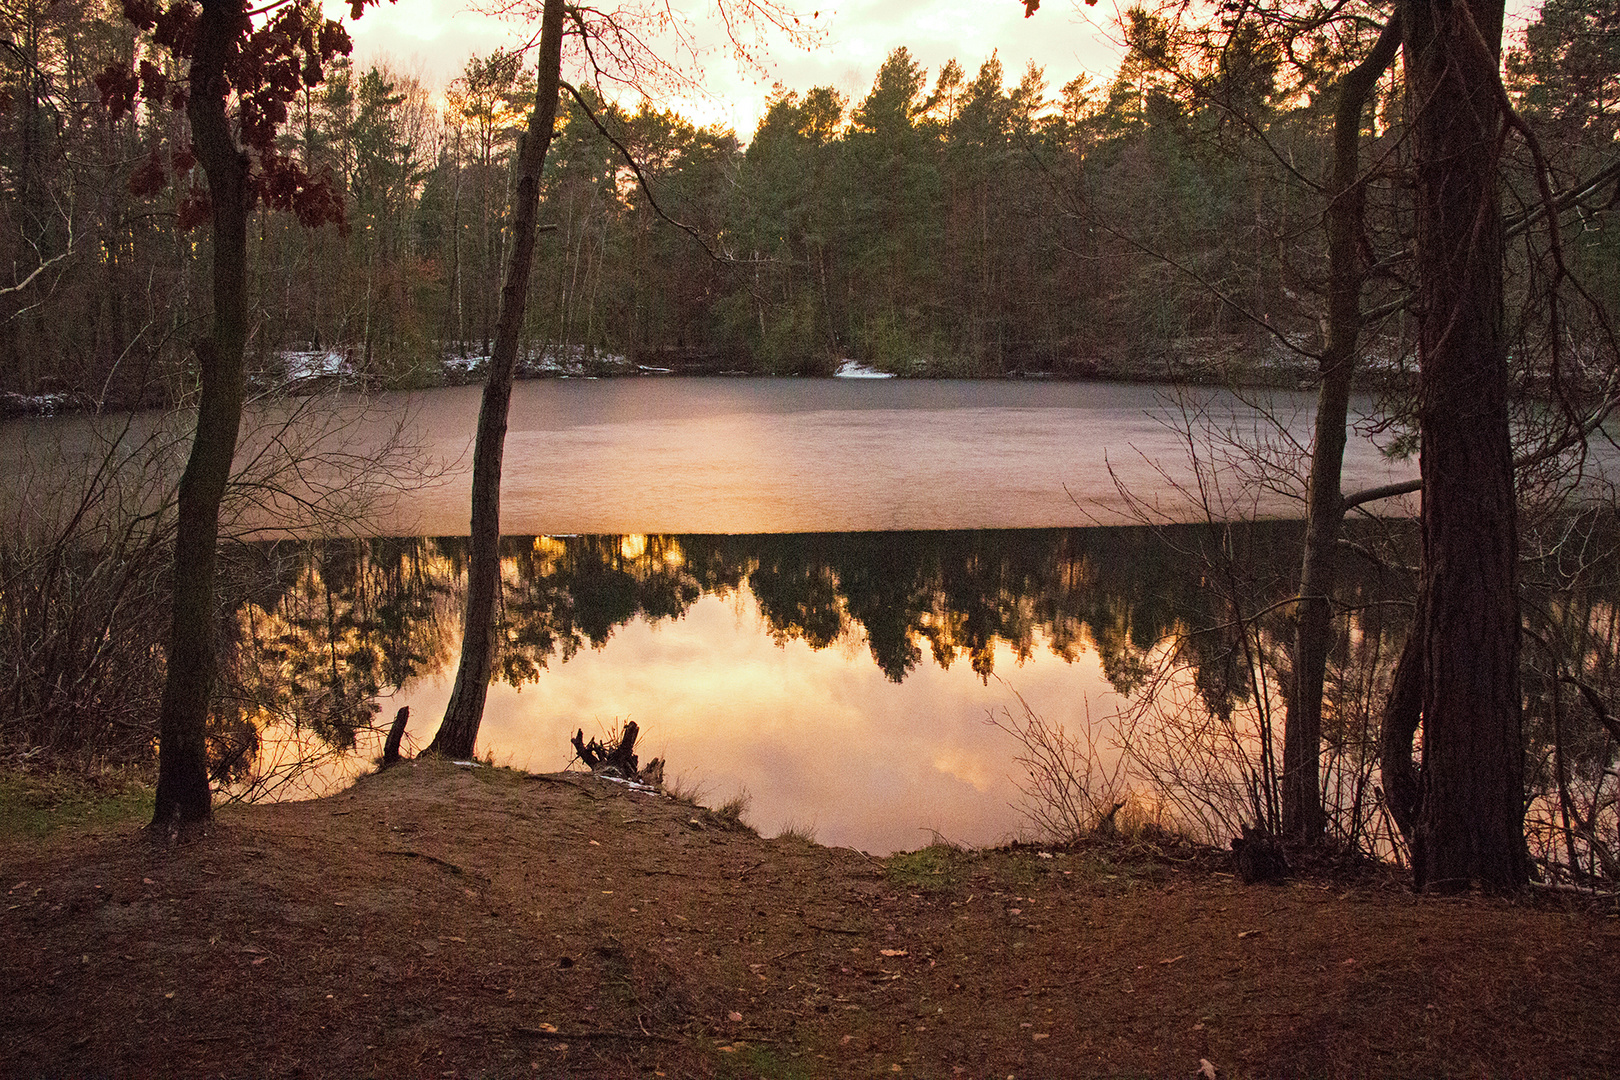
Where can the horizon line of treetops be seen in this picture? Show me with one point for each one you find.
(940, 226)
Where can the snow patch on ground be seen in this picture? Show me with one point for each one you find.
(854, 369)
(40, 404)
(318, 364)
(460, 368)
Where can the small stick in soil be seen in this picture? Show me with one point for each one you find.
(636, 1036)
(785, 955)
(450, 866)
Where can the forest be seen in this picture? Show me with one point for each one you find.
(1162, 222)
(1257, 194)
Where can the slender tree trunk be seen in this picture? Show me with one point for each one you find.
(452, 311)
(182, 792)
(1403, 712)
(1324, 508)
(1470, 824)
(459, 731)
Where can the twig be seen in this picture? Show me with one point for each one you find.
(38, 270)
(641, 178)
(634, 1036)
(450, 866)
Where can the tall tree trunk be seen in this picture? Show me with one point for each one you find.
(452, 312)
(182, 792)
(1403, 712)
(1470, 824)
(459, 730)
(1324, 507)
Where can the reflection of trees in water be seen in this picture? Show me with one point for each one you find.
(331, 624)
(1203, 729)
(1189, 623)
(562, 593)
(1199, 724)
(326, 627)
(1570, 677)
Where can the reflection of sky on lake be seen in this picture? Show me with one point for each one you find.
(726, 455)
(797, 455)
(818, 738)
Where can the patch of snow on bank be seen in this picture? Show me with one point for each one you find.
(854, 369)
(320, 364)
(40, 404)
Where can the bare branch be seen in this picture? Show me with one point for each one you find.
(38, 270)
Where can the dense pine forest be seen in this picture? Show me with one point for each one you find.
(1164, 221)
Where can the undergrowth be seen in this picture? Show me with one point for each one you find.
(34, 803)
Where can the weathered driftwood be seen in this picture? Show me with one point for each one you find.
(618, 759)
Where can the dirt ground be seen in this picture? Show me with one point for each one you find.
(443, 921)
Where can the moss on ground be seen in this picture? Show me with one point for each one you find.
(34, 804)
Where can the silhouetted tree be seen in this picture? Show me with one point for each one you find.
(259, 68)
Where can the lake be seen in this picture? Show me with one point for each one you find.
(818, 455)
(844, 681)
(817, 591)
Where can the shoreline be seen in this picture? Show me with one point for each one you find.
(433, 920)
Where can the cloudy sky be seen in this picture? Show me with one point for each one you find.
(434, 38)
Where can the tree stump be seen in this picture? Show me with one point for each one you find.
(618, 759)
(1258, 856)
(395, 734)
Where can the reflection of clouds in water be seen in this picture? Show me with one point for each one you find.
(817, 737)
(867, 739)
(960, 764)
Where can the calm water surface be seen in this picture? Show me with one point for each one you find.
(803, 455)
(843, 681)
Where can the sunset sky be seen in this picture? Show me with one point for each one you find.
(434, 38)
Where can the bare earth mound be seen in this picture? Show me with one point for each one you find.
(438, 921)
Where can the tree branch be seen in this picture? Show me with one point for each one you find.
(646, 188)
(38, 270)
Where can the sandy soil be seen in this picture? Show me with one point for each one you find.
(437, 921)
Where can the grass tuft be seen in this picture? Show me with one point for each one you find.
(804, 834)
(687, 789)
(933, 867)
(729, 814)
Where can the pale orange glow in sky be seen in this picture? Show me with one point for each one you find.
(434, 38)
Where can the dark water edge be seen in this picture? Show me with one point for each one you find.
(1200, 363)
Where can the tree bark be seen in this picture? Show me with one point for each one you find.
(183, 800)
(1470, 824)
(1324, 507)
(396, 733)
(458, 732)
(1403, 712)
